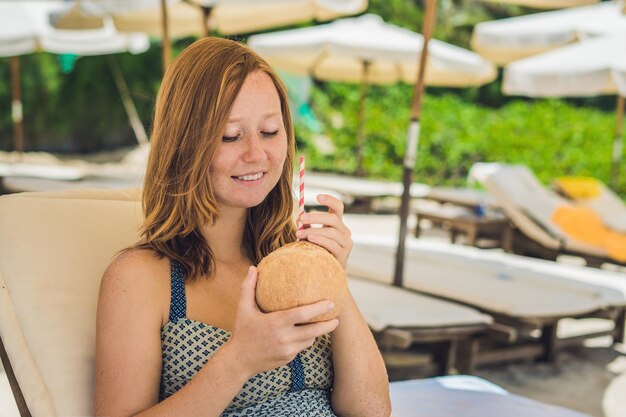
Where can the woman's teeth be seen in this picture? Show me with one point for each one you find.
(251, 177)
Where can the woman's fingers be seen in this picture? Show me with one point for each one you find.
(325, 219)
(326, 234)
(303, 314)
(334, 205)
(312, 330)
(331, 245)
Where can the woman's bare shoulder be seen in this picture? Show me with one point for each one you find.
(137, 265)
(138, 276)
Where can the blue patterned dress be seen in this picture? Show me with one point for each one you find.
(299, 388)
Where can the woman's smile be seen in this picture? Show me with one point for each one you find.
(250, 179)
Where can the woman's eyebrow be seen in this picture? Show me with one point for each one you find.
(265, 116)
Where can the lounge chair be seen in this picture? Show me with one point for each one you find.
(363, 191)
(598, 197)
(20, 169)
(54, 248)
(531, 207)
(401, 319)
(465, 211)
(462, 196)
(526, 297)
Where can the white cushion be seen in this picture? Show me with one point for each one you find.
(53, 252)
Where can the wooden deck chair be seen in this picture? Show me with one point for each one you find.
(599, 198)
(526, 297)
(401, 319)
(530, 207)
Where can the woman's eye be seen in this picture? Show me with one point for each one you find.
(270, 134)
(230, 138)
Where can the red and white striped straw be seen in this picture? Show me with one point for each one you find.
(301, 201)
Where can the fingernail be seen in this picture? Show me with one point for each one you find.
(300, 233)
(304, 217)
(321, 197)
(330, 306)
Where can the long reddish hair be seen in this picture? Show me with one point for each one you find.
(192, 109)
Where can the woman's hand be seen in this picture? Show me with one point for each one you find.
(263, 341)
(334, 235)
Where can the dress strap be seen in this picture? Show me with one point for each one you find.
(297, 374)
(178, 304)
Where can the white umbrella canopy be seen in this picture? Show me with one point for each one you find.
(17, 32)
(546, 4)
(337, 51)
(367, 50)
(590, 68)
(507, 40)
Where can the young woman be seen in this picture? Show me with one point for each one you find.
(178, 330)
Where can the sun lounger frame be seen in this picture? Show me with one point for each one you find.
(508, 338)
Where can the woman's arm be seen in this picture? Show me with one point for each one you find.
(128, 344)
(360, 386)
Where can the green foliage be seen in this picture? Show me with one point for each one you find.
(551, 137)
(80, 111)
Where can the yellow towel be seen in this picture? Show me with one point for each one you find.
(586, 226)
(579, 188)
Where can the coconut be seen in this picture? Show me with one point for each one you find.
(300, 273)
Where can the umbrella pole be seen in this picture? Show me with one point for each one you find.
(618, 144)
(165, 38)
(16, 107)
(360, 133)
(129, 105)
(413, 141)
(206, 15)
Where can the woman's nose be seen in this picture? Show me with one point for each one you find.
(254, 150)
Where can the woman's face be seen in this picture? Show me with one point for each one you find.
(249, 158)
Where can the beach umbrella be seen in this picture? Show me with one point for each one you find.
(413, 136)
(24, 29)
(176, 18)
(366, 50)
(507, 40)
(590, 68)
(546, 4)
